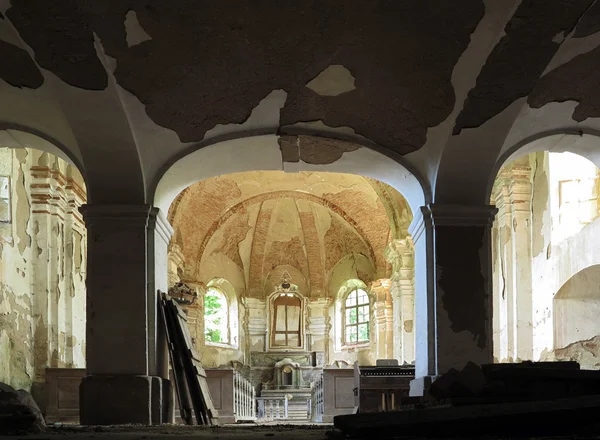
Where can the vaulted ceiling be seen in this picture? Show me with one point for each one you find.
(446, 90)
(249, 227)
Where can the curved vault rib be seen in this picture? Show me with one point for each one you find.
(283, 194)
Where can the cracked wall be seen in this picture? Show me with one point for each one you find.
(550, 276)
(42, 266)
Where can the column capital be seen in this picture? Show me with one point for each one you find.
(126, 214)
(459, 215)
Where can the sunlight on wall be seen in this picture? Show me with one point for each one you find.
(573, 195)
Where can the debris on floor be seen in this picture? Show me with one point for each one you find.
(540, 398)
(18, 412)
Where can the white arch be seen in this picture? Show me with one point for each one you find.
(263, 153)
(586, 145)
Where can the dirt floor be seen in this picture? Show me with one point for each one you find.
(228, 432)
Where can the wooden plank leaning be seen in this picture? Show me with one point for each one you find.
(196, 386)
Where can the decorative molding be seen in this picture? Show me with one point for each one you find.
(459, 215)
(125, 215)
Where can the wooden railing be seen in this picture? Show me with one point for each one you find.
(317, 401)
(270, 408)
(244, 397)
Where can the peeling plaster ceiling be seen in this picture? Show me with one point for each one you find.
(249, 224)
(408, 76)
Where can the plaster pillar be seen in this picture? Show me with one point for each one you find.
(513, 300)
(380, 290)
(255, 325)
(520, 202)
(318, 324)
(400, 254)
(454, 312)
(121, 385)
(503, 313)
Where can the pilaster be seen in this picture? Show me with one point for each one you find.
(453, 314)
(401, 255)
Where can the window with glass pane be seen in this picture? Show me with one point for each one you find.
(216, 325)
(356, 317)
(287, 321)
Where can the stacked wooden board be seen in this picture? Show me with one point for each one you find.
(189, 377)
(525, 399)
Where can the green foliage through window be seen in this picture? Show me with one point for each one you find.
(215, 316)
(356, 317)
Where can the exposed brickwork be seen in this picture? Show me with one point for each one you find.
(257, 254)
(313, 251)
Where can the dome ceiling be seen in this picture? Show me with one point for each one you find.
(248, 227)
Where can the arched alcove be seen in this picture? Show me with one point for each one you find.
(43, 258)
(546, 192)
(577, 307)
(228, 161)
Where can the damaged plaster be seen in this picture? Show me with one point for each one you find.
(18, 69)
(23, 206)
(250, 54)
(590, 22)
(332, 81)
(61, 39)
(573, 81)
(539, 203)
(464, 297)
(517, 61)
(135, 32)
(313, 150)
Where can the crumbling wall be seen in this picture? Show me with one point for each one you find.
(586, 352)
(16, 316)
(42, 268)
(563, 315)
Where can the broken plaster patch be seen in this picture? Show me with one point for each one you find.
(264, 115)
(319, 127)
(332, 81)
(135, 33)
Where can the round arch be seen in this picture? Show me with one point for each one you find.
(580, 142)
(12, 136)
(263, 153)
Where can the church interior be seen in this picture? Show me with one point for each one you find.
(352, 207)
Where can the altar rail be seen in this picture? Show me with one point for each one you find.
(270, 408)
(318, 400)
(232, 394)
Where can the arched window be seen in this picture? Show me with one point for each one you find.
(216, 317)
(356, 317)
(287, 321)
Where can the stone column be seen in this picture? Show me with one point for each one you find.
(121, 315)
(400, 254)
(453, 308)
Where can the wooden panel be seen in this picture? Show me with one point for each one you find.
(344, 394)
(62, 394)
(220, 386)
(338, 392)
